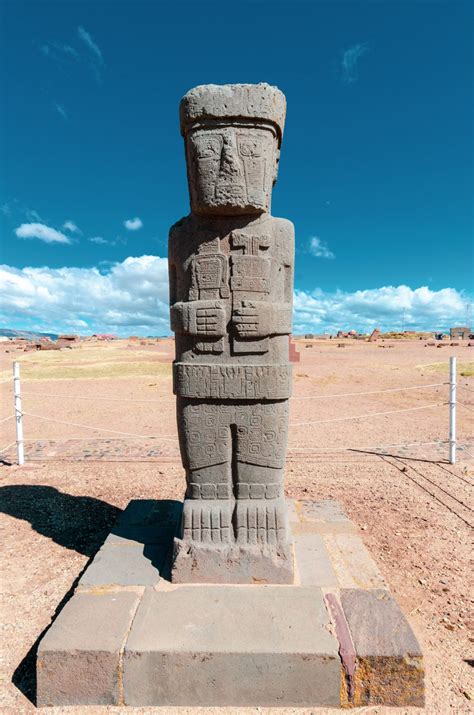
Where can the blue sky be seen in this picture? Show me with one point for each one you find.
(376, 169)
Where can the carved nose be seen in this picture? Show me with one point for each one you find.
(229, 156)
(230, 181)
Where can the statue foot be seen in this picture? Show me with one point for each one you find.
(207, 521)
(260, 521)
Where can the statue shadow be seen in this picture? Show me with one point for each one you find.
(78, 523)
(82, 523)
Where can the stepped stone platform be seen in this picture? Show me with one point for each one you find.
(128, 636)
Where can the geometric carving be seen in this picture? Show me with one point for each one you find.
(215, 433)
(232, 382)
(231, 290)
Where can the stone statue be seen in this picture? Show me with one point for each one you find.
(231, 287)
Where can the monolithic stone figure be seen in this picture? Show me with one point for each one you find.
(231, 286)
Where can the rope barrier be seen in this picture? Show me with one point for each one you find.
(373, 414)
(107, 399)
(8, 379)
(5, 419)
(463, 387)
(4, 449)
(371, 392)
(468, 452)
(312, 397)
(309, 450)
(90, 439)
(167, 438)
(469, 409)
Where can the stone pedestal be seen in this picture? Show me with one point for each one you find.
(128, 636)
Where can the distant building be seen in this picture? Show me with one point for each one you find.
(104, 336)
(462, 333)
(293, 352)
(348, 334)
(69, 338)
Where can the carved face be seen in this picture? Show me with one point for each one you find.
(231, 170)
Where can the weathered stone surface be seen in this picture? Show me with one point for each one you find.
(78, 659)
(389, 660)
(229, 645)
(247, 101)
(313, 562)
(354, 566)
(223, 645)
(146, 521)
(124, 565)
(203, 563)
(320, 517)
(231, 287)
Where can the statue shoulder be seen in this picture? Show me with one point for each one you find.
(284, 227)
(177, 235)
(284, 233)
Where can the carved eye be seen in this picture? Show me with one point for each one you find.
(250, 148)
(207, 147)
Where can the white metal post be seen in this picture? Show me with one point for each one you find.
(18, 414)
(452, 410)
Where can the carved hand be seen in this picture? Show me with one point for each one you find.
(210, 320)
(199, 317)
(257, 319)
(251, 319)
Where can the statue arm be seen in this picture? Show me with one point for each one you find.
(199, 317)
(258, 319)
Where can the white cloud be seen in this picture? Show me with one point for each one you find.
(132, 297)
(98, 239)
(389, 307)
(350, 58)
(133, 224)
(125, 298)
(71, 227)
(89, 42)
(60, 110)
(33, 215)
(59, 52)
(319, 248)
(41, 232)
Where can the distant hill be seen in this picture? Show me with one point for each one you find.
(28, 334)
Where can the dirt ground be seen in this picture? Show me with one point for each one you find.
(391, 474)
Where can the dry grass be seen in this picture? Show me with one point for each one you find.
(464, 369)
(91, 363)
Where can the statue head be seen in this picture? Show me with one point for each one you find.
(233, 135)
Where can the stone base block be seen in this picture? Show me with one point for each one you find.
(199, 563)
(128, 636)
(222, 645)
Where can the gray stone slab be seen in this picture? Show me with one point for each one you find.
(389, 667)
(325, 516)
(147, 521)
(203, 563)
(117, 565)
(211, 645)
(354, 566)
(327, 510)
(313, 562)
(78, 659)
(377, 624)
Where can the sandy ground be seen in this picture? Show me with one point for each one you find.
(413, 507)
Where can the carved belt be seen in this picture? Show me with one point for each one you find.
(232, 382)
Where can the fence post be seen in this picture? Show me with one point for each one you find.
(18, 414)
(452, 410)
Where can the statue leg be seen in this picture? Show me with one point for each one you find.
(206, 451)
(260, 514)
